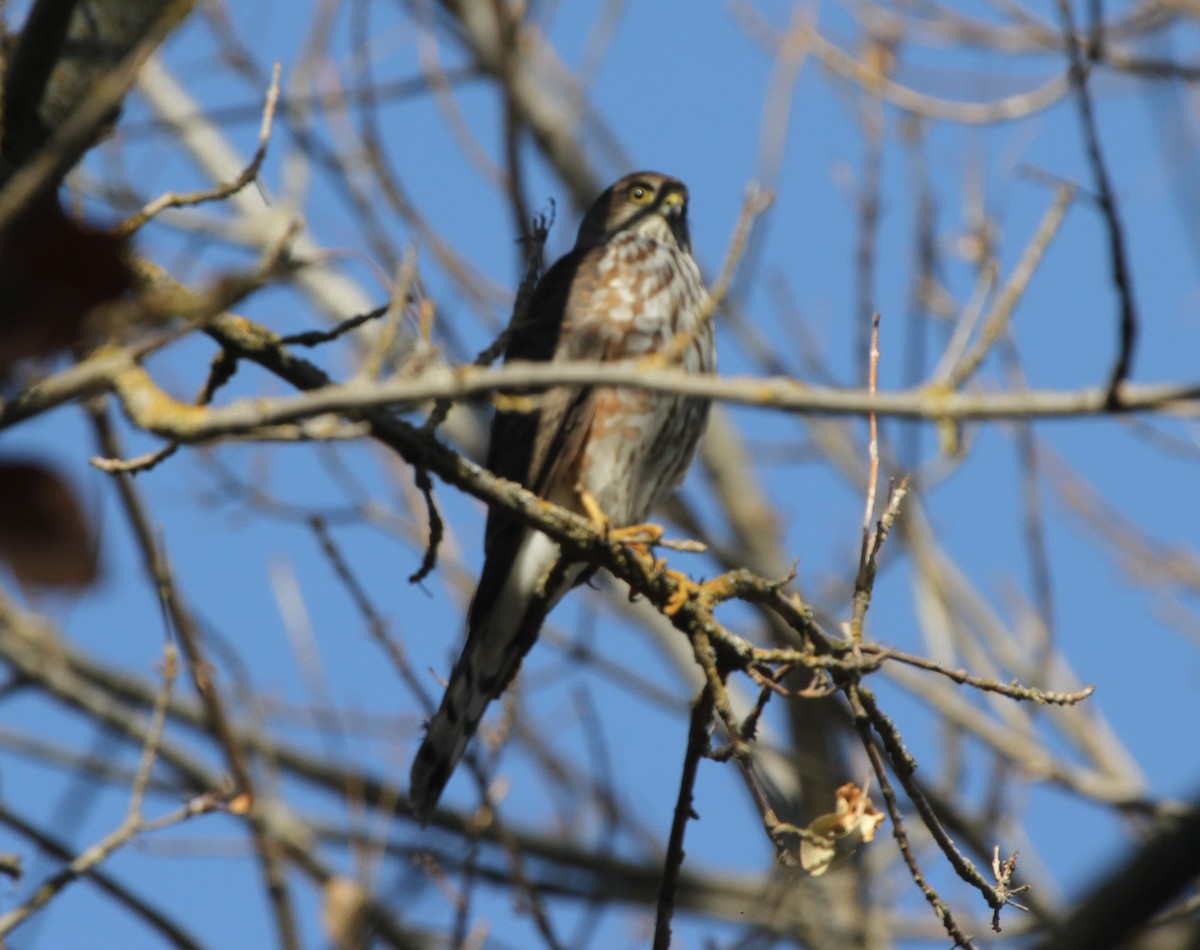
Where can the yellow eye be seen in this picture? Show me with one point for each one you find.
(640, 193)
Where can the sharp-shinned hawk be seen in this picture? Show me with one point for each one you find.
(628, 289)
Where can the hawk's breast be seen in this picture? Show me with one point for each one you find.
(645, 293)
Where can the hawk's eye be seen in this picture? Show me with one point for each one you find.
(640, 193)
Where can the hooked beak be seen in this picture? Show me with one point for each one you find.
(674, 203)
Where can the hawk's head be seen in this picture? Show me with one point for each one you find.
(653, 204)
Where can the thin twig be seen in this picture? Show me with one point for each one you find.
(317, 337)
(399, 299)
(157, 569)
(375, 623)
(998, 317)
(697, 744)
(1118, 257)
(133, 824)
(1011, 690)
(170, 931)
(862, 583)
(437, 527)
(904, 766)
(863, 722)
(223, 190)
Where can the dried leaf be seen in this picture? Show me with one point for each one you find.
(841, 832)
(44, 535)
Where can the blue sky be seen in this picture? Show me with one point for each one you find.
(680, 89)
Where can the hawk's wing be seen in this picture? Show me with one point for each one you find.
(538, 449)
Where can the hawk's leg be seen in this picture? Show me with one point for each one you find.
(640, 537)
(685, 590)
(635, 535)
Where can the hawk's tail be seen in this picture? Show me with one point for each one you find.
(451, 728)
(500, 635)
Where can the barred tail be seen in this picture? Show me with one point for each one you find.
(455, 722)
(499, 636)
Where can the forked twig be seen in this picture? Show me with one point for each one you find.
(223, 190)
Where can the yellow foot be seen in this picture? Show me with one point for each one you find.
(685, 589)
(639, 535)
(640, 538)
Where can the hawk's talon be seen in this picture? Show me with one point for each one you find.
(634, 535)
(686, 589)
(641, 536)
(591, 507)
(640, 539)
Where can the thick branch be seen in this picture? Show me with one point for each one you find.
(153, 410)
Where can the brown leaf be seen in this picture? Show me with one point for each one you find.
(53, 272)
(840, 832)
(44, 535)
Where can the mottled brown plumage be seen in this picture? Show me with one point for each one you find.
(626, 290)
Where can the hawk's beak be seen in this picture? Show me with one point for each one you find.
(674, 203)
(673, 208)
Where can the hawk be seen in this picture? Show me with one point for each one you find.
(628, 289)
